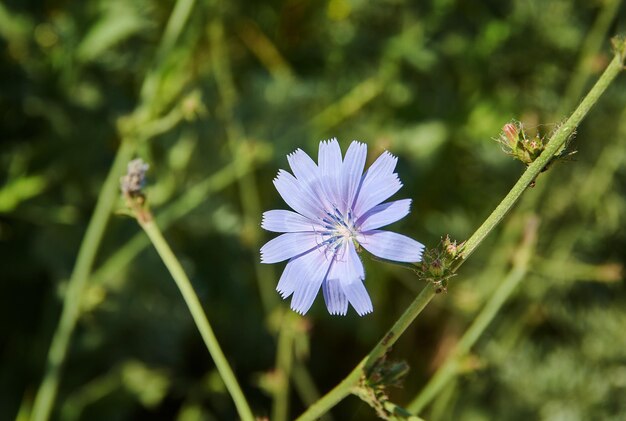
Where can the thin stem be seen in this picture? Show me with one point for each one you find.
(344, 388)
(284, 360)
(398, 328)
(590, 47)
(189, 200)
(175, 25)
(335, 396)
(304, 385)
(533, 170)
(556, 142)
(199, 317)
(450, 367)
(57, 353)
(236, 138)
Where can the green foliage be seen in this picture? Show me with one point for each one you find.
(214, 113)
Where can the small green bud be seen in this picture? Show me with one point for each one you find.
(450, 247)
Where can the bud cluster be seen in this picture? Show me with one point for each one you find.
(372, 388)
(516, 143)
(437, 263)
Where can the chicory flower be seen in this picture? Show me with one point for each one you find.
(338, 210)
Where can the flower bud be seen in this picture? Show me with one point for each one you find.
(450, 247)
(512, 133)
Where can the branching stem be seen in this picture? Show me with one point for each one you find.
(555, 143)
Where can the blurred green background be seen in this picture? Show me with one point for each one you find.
(244, 84)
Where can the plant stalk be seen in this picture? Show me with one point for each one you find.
(554, 145)
(197, 312)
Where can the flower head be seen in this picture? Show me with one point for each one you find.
(338, 209)
(133, 182)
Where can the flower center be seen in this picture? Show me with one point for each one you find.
(344, 231)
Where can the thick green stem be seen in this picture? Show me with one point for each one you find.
(554, 145)
(71, 304)
(451, 366)
(199, 317)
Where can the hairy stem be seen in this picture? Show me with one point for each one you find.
(554, 145)
(451, 366)
(199, 317)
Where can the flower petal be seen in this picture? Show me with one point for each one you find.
(384, 165)
(391, 246)
(357, 295)
(351, 173)
(329, 161)
(302, 165)
(351, 279)
(288, 245)
(309, 176)
(348, 270)
(336, 301)
(384, 214)
(381, 169)
(308, 272)
(287, 282)
(279, 220)
(295, 196)
(374, 192)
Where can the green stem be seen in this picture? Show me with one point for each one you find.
(556, 142)
(344, 388)
(189, 200)
(305, 387)
(236, 138)
(57, 352)
(590, 47)
(175, 25)
(398, 328)
(451, 366)
(554, 145)
(47, 391)
(199, 317)
(335, 396)
(284, 360)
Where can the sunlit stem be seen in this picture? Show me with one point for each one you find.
(195, 308)
(555, 143)
(451, 367)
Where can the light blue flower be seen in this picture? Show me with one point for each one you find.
(338, 209)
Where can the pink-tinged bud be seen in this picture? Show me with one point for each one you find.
(511, 133)
(450, 247)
